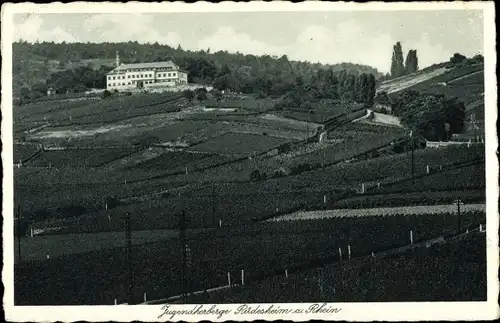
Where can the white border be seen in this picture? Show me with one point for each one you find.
(350, 311)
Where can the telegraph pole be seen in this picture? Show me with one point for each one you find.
(412, 157)
(19, 234)
(459, 224)
(182, 235)
(213, 205)
(128, 241)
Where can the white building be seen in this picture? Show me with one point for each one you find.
(145, 75)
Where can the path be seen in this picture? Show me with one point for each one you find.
(405, 210)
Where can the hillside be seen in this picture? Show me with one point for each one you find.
(34, 64)
(463, 81)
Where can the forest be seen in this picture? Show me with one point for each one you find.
(269, 75)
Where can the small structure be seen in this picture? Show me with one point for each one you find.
(51, 91)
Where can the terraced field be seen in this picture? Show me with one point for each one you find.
(94, 157)
(263, 250)
(241, 144)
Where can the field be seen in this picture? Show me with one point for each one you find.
(155, 156)
(79, 157)
(455, 270)
(262, 250)
(464, 83)
(24, 153)
(415, 198)
(322, 111)
(241, 144)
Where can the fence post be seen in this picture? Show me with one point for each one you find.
(480, 227)
(228, 279)
(145, 299)
(428, 169)
(411, 237)
(378, 185)
(373, 254)
(220, 223)
(324, 199)
(116, 302)
(286, 273)
(242, 277)
(362, 188)
(340, 254)
(349, 251)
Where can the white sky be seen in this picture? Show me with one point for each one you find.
(364, 37)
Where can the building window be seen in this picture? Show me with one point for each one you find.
(173, 74)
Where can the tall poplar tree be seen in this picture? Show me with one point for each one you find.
(411, 63)
(397, 67)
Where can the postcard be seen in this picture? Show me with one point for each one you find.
(249, 160)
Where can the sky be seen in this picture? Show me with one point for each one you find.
(363, 37)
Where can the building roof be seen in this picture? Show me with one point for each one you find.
(150, 65)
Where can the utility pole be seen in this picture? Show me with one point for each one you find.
(413, 160)
(19, 234)
(182, 238)
(128, 241)
(213, 205)
(459, 224)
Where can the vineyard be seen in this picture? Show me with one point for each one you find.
(79, 157)
(262, 250)
(464, 178)
(415, 198)
(241, 144)
(454, 271)
(104, 110)
(179, 161)
(24, 153)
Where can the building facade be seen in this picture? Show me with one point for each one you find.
(145, 75)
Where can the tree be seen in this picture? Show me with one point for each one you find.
(411, 64)
(457, 58)
(217, 95)
(429, 114)
(382, 98)
(189, 95)
(201, 94)
(397, 67)
(255, 176)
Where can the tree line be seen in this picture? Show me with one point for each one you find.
(270, 75)
(434, 116)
